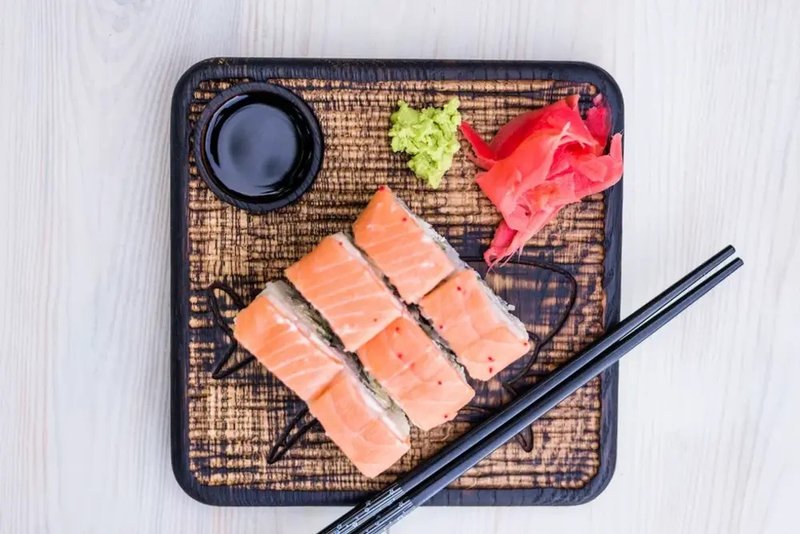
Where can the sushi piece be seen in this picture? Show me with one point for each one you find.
(405, 248)
(372, 433)
(279, 330)
(337, 280)
(476, 324)
(416, 372)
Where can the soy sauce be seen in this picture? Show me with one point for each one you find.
(253, 146)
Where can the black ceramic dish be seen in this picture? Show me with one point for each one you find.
(258, 146)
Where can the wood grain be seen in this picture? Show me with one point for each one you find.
(708, 433)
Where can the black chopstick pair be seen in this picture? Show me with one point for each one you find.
(420, 484)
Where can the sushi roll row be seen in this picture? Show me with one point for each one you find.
(380, 325)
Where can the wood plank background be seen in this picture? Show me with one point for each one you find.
(708, 408)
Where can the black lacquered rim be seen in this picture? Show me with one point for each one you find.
(304, 172)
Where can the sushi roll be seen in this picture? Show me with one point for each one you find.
(369, 430)
(476, 324)
(406, 249)
(280, 331)
(337, 280)
(416, 372)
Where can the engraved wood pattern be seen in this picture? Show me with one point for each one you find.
(232, 423)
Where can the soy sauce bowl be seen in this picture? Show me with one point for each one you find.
(258, 146)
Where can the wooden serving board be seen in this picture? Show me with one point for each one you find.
(565, 286)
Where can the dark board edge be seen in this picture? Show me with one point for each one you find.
(375, 70)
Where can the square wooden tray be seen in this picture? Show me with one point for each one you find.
(565, 285)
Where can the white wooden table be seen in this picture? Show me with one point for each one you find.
(708, 424)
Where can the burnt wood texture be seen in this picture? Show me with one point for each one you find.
(565, 285)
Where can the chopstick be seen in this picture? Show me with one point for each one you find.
(362, 513)
(439, 480)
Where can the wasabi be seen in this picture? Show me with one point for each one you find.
(429, 136)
